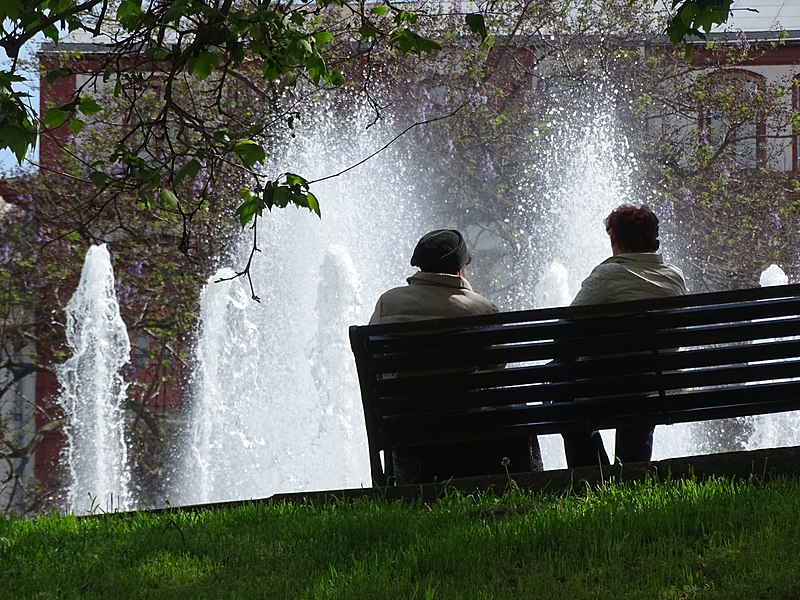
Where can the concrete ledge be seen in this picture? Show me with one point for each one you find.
(762, 464)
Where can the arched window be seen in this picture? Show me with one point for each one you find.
(731, 121)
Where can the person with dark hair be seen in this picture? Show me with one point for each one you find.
(439, 290)
(633, 272)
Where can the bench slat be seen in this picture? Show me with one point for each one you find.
(556, 418)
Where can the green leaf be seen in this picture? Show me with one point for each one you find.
(696, 18)
(88, 105)
(202, 64)
(298, 17)
(380, 10)
(335, 78)
(54, 118)
(190, 169)
(249, 152)
(52, 76)
(221, 136)
(9, 9)
(405, 16)
(313, 204)
(76, 126)
(168, 199)
(249, 208)
(323, 37)
(271, 71)
(704, 20)
(51, 32)
(687, 13)
(409, 42)
(367, 31)
(178, 9)
(98, 178)
(282, 197)
(18, 140)
(6, 78)
(129, 12)
(315, 67)
(237, 52)
(477, 25)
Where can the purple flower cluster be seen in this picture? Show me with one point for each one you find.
(742, 41)
(135, 268)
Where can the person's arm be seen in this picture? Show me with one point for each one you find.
(377, 314)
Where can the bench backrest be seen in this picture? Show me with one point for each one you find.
(694, 357)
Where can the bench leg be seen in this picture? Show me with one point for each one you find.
(584, 449)
(633, 444)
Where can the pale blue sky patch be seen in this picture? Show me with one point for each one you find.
(27, 69)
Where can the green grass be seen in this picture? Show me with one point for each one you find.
(675, 539)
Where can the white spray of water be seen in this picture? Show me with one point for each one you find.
(552, 289)
(93, 391)
(276, 404)
(773, 275)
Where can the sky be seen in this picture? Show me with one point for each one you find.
(8, 161)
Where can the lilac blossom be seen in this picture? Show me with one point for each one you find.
(742, 41)
(135, 269)
(487, 167)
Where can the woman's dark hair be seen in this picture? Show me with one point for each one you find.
(633, 229)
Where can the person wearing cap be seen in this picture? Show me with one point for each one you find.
(635, 271)
(440, 290)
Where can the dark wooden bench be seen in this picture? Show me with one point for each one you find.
(669, 360)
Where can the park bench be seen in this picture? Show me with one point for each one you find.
(660, 361)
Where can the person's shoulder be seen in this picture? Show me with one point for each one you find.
(486, 303)
(393, 291)
(479, 303)
(606, 269)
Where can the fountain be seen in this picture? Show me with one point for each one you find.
(276, 400)
(275, 405)
(93, 391)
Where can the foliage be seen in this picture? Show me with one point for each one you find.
(212, 42)
(696, 18)
(210, 46)
(713, 150)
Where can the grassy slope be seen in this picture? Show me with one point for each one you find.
(649, 540)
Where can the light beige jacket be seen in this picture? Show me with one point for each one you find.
(631, 276)
(430, 296)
